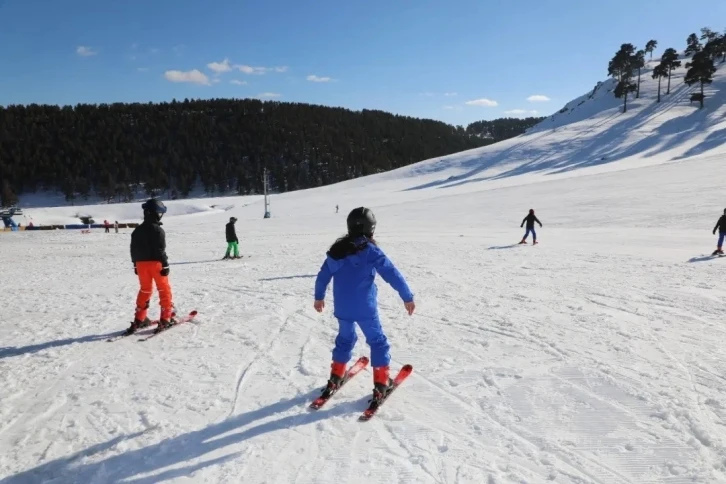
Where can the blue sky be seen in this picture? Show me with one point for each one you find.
(458, 60)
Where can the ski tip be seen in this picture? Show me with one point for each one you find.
(364, 359)
(407, 368)
(193, 313)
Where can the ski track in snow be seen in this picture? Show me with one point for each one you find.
(595, 357)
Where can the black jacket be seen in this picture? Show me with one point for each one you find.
(148, 243)
(531, 219)
(721, 225)
(231, 233)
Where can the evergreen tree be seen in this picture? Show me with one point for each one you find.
(716, 47)
(693, 45)
(700, 70)
(120, 151)
(660, 71)
(7, 195)
(622, 67)
(708, 35)
(650, 47)
(639, 64)
(670, 61)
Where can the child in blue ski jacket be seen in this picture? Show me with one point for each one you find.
(352, 262)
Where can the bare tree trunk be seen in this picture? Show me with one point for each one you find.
(659, 79)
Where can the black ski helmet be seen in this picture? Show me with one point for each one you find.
(154, 207)
(232, 219)
(361, 221)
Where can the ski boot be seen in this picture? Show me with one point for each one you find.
(337, 376)
(718, 251)
(535, 242)
(136, 325)
(382, 385)
(166, 320)
(524, 241)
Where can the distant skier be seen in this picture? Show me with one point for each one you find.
(530, 219)
(232, 240)
(352, 262)
(107, 226)
(336, 209)
(148, 254)
(115, 225)
(721, 227)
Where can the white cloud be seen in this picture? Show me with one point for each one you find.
(450, 94)
(216, 81)
(314, 78)
(220, 67)
(194, 76)
(260, 70)
(269, 94)
(85, 51)
(238, 82)
(538, 98)
(520, 112)
(483, 102)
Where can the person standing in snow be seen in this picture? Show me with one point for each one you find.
(530, 219)
(115, 225)
(721, 227)
(148, 254)
(232, 240)
(352, 263)
(107, 226)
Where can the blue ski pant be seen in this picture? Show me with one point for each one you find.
(721, 236)
(347, 338)
(534, 234)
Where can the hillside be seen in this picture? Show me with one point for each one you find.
(594, 357)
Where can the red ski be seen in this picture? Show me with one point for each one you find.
(327, 393)
(374, 406)
(175, 322)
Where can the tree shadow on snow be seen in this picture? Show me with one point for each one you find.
(183, 448)
(9, 351)
(281, 278)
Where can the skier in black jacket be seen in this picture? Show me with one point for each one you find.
(148, 254)
(530, 219)
(721, 227)
(232, 240)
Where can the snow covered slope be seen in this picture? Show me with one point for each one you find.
(595, 357)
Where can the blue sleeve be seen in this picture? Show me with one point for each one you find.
(391, 275)
(322, 281)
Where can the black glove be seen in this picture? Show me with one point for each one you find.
(135, 271)
(164, 271)
(714, 231)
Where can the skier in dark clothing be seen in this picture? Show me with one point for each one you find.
(148, 254)
(530, 219)
(721, 227)
(232, 240)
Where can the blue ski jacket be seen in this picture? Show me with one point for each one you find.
(354, 290)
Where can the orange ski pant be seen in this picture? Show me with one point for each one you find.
(149, 273)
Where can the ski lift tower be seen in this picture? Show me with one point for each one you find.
(265, 179)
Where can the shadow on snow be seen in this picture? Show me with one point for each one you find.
(9, 351)
(182, 448)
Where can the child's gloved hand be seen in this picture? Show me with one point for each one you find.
(410, 307)
(319, 306)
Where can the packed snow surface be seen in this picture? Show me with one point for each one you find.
(596, 356)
